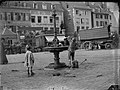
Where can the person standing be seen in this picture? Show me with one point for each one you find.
(109, 26)
(71, 51)
(3, 59)
(29, 61)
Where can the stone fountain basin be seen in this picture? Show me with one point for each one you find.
(56, 49)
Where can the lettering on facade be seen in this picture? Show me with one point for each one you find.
(43, 12)
(39, 25)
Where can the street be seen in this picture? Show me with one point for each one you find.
(97, 73)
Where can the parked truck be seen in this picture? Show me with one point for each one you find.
(96, 38)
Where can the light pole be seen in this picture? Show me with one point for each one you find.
(18, 34)
(55, 40)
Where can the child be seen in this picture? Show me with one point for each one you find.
(29, 61)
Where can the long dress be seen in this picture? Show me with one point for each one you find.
(3, 55)
(29, 59)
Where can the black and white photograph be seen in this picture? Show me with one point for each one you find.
(59, 45)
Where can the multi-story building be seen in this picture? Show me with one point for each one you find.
(100, 14)
(41, 16)
(77, 16)
(82, 18)
(14, 14)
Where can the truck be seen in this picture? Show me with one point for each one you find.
(96, 38)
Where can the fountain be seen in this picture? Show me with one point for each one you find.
(56, 49)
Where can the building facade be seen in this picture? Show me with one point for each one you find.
(14, 14)
(77, 16)
(100, 14)
(82, 18)
(100, 19)
(43, 18)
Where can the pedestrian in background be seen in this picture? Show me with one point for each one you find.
(66, 42)
(29, 61)
(71, 51)
(109, 26)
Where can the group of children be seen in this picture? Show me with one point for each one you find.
(29, 57)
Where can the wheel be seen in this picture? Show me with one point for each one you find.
(87, 45)
(108, 46)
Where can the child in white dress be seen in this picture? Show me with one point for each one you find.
(29, 61)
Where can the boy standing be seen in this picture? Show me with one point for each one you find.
(29, 61)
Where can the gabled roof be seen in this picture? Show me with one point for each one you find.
(8, 32)
(82, 7)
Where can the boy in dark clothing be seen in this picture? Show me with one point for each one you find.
(71, 51)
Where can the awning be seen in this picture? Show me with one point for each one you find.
(50, 38)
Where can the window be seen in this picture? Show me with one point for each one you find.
(82, 27)
(8, 16)
(57, 29)
(16, 3)
(78, 28)
(106, 16)
(1, 16)
(57, 19)
(33, 19)
(10, 42)
(16, 16)
(105, 22)
(35, 6)
(39, 19)
(97, 23)
(22, 16)
(87, 27)
(82, 20)
(101, 23)
(11, 16)
(87, 20)
(97, 16)
(24, 4)
(46, 28)
(77, 21)
(101, 16)
(45, 19)
(80, 13)
(110, 17)
(51, 19)
(85, 12)
(51, 28)
(19, 18)
(44, 6)
(76, 12)
(67, 6)
(27, 16)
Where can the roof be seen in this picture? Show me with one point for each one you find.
(95, 33)
(7, 32)
(51, 37)
(96, 7)
(82, 7)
